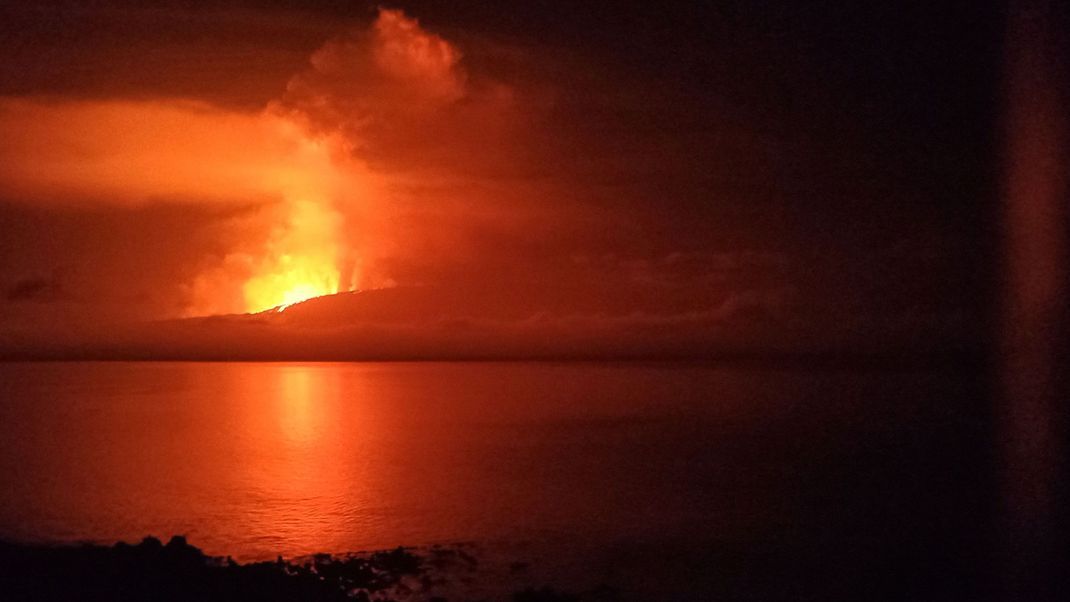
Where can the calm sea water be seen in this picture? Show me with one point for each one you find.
(255, 460)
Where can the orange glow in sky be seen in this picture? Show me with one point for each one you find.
(138, 152)
(287, 177)
(302, 263)
(302, 258)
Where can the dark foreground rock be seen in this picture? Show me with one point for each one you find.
(177, 571)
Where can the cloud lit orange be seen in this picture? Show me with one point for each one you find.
(131, 153)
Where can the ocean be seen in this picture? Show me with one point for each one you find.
(666, 480)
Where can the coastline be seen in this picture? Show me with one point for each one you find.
(177, 570)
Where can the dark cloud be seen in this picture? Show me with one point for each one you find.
(113, 262)
(224, 54)
(41, 290)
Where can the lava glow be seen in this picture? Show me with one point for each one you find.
(292, 282)
(301, 263)
(293, 186)
(303, 256)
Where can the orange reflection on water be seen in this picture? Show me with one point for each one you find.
(296, 467)
(255, 460)
(300, 406)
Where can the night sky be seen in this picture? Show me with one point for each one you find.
(552, 178)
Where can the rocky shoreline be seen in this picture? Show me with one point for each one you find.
(178, 571)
